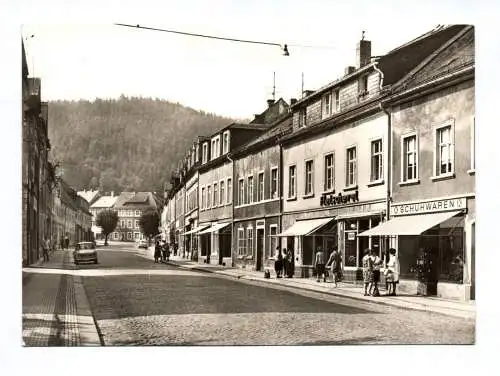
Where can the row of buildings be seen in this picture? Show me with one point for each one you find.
(383, 156)
(51, 209)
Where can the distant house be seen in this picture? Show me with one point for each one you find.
(102, 203)
(90, 196)
(130, 206)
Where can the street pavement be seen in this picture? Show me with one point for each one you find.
(133, 301)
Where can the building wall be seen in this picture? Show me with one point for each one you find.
(421, 116)
(359, 134)
(215, 175)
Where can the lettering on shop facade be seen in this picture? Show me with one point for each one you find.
(340, 199)
(429, 206)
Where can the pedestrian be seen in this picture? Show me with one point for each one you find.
(377, 263)
(285, 263)
(45, 249)
(319, 265)
(66, 242)
(278, 262)
(367, 264)
(164, 250)
(386, 261)
(392, 272)
(335, 266)
(291, 263)
(167, 248)
(157, 251)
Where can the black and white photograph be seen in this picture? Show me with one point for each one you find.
(248, 174)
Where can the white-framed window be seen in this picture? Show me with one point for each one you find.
(376, 160)
(129, 224)
(209, 196)
(122, 223)
(136, 223)
(241, 192)
(197, 153)
(260, 186)
(302, 117)
(215, 147)
(137, 213)
(273, 241)
(216, 195)
(222, 195)
(308, 177)
(326, 103)
(136, 235)
(409, 158)
(203, 198)
(329, 172)
(292, 181)
(336, 94)
(229, 190)
(250, 243)
(473, 144)
(205, 153)
(129, 236)
(274, 183)
(225, 142)
(115, 235)
(241, 241)
(250, 189)
(351, 167)
(444, 151)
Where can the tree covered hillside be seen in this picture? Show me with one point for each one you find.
(126, 144)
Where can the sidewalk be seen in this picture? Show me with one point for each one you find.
(347, 290)
(55, 307)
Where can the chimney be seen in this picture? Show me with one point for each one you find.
(363, 53)
(348, 70)
(112, 193)
(270, 102)
(293, 101)
(308, 92)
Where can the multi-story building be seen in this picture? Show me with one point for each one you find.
(102, 203)
(335, 161)
(257, 197)
(130, 206)
(433, 170)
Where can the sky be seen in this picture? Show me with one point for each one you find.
(95, 58)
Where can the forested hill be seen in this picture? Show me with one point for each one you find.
(126, 144)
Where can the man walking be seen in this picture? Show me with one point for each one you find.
(45, 248)
(319, 264)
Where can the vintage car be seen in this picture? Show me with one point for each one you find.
(85, 252)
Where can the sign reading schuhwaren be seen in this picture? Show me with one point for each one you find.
(429, 206)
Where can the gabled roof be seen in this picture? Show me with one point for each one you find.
(90, 196)
(105, 202)
(122, 198)
(135, 200)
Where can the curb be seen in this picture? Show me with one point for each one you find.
(418, 306)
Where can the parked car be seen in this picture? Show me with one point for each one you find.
(85, 252)
(142, 244)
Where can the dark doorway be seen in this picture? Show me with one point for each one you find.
(260, 248)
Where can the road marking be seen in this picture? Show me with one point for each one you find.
(114, 272)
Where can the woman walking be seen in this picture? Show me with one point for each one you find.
(157, 251)
(278, 263)
(367, 264)
(285, 263)
(335, 267)
(392, 272)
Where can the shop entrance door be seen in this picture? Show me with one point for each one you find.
(260, 248)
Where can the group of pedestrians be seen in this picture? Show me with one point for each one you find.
(284, 265)
(372, 265)
(162, 251)
(334, 265)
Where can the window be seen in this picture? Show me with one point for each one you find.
(250, 241)
(308, 178)
(292, 181)
(241, 242)
(136, 224)
(209, 196)
(260, 192)
(222, 193)
(216, 196)
(302, 117)
(215, 147)
(229, 191)
(122, 223)
(137, 213)
(444, 151)
(241, 190)
(351, 170)
(410, 158)
(327, 105)
(225, 142)
(129, 236)
(329, 172)
(273, 241)
(203, 198)
(376, 160)
(473, 145)
(115, 235)
(205, 153)
(250, 189)
(274, 182)
(363, 86)
(337, 101)
(197, 153)
(136, 235)
(129, 224)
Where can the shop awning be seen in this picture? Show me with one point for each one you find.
(359, 215)
(410, 224)
(214, 228)
(196, 229)
(305, 227)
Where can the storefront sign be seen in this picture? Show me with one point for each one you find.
(340, 199)
(351, 236)
(429, 206)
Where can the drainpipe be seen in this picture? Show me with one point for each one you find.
(381, 75)
(282, 194)
(232, 207)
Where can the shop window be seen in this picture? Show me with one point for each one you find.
(292, 181)
(376, 160)
(329, 172)
(273, 241)
(241, 242)
(410, 158)
(444, 155)
(451, 255)
(250, 189)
